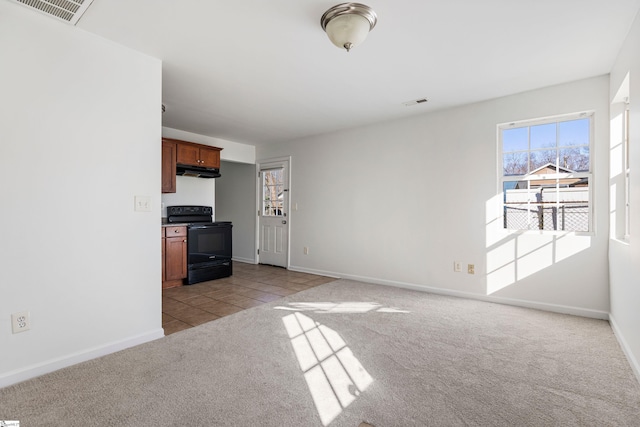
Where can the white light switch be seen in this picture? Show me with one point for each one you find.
(142, 203)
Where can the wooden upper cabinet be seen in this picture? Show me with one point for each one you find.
(210, 157)
(188, 155)
(176, 152)
(168, 166)
(198, 155)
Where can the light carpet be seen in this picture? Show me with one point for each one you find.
(344, 353)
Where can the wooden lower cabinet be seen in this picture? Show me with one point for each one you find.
(174, 256)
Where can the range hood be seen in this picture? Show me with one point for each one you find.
(197, 171)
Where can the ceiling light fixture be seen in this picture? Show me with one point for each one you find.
(347, 24)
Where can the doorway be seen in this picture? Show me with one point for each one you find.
(273, 220)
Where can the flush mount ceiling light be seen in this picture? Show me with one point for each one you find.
(347, 24)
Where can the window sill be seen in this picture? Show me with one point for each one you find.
(548, 233)
(625, 241)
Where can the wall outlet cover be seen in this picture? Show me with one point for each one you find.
(20, 322)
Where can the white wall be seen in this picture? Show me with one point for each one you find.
(191, 191)
(236, 202)
(80, 127)
(398, 202)
(624, 256)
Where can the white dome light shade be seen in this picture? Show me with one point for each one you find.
(348, 30)
(348, 24)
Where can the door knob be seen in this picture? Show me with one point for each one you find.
(284, 222)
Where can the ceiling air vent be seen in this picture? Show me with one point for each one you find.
(66, 10)
(415, 102)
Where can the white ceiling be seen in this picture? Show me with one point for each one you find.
(257, 71)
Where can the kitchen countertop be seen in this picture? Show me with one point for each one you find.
(173, 224)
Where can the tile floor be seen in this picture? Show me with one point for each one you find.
(249, 286)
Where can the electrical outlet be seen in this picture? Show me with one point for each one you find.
(471, 269)
(20, 322)
(305, 250)
(457, 266)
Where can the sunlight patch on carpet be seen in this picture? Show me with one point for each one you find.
(334, 375)
(340, 307)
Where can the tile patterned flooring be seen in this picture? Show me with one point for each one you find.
(249, 286)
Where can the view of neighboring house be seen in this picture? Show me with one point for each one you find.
(542, 204)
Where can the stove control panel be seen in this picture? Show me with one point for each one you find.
(189, 210)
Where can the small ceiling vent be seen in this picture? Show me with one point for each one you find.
(415, 102)
(65, 10)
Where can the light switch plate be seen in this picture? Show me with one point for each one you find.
(142, 203)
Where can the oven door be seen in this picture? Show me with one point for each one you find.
(209, 243)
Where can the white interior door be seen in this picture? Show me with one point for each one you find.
(273, 248)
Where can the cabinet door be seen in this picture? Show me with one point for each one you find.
(188, 155)
(176, 258)
(210, 157)
(168, 167)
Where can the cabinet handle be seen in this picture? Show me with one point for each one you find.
(184, 241)
(176, 231)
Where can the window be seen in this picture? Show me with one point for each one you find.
(627, 172)
(273, 192)
(546, 173)
(619, 165)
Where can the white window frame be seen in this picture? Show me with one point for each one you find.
(627, 173)
(553, 178)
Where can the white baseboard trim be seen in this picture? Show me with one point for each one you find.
(556, 308)
(318, 272)
(244, 260)
(635, 364)
(19, 375)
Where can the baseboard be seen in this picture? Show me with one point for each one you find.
(556, 308)
(317, 272)
(244, 260)
(33, 371)
(635, 365)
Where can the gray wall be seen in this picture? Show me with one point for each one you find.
(236, 202)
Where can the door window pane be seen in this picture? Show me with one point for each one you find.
(273, 192)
